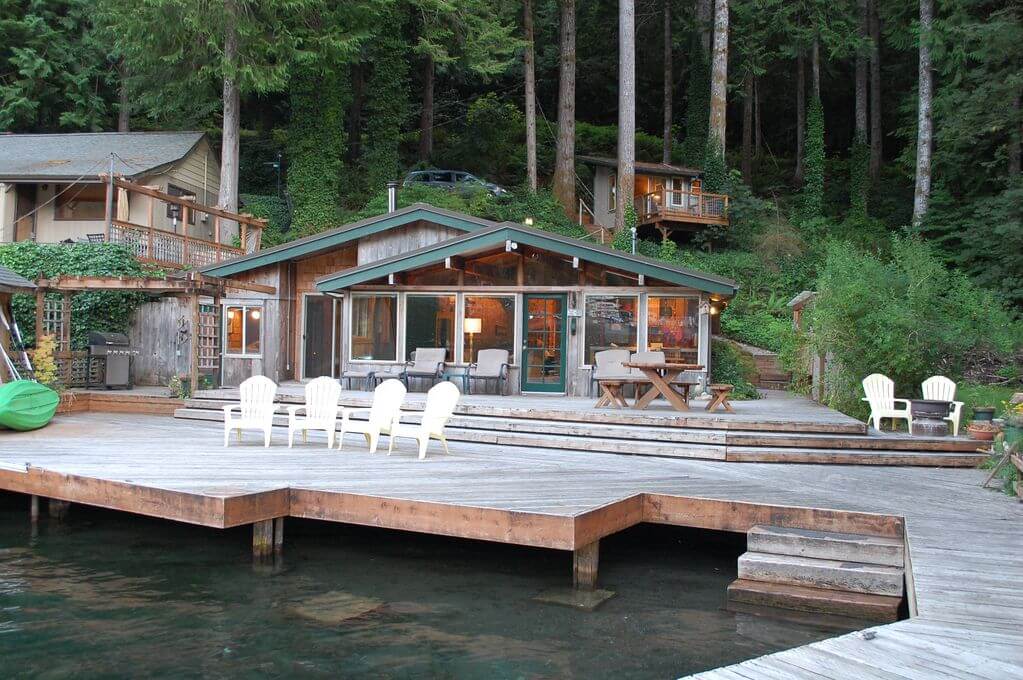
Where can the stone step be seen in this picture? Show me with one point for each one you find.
(826, 545)
(855, 577)
(875, 608)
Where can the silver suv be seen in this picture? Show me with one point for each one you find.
(453, 180)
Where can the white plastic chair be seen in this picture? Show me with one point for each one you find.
(440, 405)
(321, 404)
(880, 391)
(940, 388)
(256, 410)
(387, 400)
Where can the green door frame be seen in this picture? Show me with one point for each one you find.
(524, 381)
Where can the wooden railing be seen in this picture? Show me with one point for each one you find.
(168, 249)
(668, 204)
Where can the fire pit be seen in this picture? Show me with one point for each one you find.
(928, 417)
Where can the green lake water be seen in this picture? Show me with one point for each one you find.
(106, 594)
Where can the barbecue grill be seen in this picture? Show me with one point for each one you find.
(116, 354)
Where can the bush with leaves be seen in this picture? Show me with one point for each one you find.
(275, 211)
(731, 366)
(90, 311)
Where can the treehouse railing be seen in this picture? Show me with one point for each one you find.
(168, 249)
(671, 203)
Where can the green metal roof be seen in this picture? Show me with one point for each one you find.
(499, 233)
(350, 232)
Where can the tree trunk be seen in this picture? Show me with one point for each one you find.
(426, 116)
(668, 84)
(758, 131)
(876, 144)
(626, 109)
(564, 162)
(704, 12)
(860, 133)
(355, 113)
(719, 77)
(228, 197)
(815, 67)
(924, 130)
(530, 77)
(123, 104)
(747, 129)
(800, 116)
(1014, 139)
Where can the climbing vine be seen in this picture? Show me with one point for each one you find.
(90, 311)
(386, 109)
(813, 182)
(316, 144)
(859, 179)
(715, 172)
(698, 106)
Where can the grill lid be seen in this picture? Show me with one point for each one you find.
(108, 339)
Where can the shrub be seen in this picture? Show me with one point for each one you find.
(275, 211)
(729, 365)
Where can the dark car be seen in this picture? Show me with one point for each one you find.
(454, 180)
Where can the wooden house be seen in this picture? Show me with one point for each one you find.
(366, 295)
(666, 197)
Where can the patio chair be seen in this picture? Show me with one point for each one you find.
(440, 405)
(491, 364)
(256, 410)
(387, 400)
(880, 391)
(607, 365)
(321, 405)
(940, 388)
(427, 362)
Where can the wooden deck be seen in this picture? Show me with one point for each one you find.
(963, 541)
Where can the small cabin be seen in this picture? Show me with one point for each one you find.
(666, 197)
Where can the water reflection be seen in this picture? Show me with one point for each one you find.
(107, 593)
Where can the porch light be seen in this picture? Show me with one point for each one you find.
(713, 310)
(255, 313)
(528, 221)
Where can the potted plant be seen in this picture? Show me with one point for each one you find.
(1013, 422)
(984, 413)
(982, 430)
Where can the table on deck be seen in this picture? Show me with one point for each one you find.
(661, 377)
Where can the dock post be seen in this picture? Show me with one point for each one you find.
(278, 536)
(584, 566)
(262, 539)
(34, 510)
(59, 509)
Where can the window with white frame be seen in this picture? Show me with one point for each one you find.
(489, 323)
(374, 327)
(612, 322)
(430, 323)
(243, 330)
(673, 327)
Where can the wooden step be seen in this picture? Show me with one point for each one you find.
(876, 608)
(826, 545)
(855, 577)
(846, 456)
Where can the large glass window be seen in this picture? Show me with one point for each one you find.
(611, 323)
(437, 275)
(489, 324)
(544, 269)
(374, 327)
(244, 329)
(430, 322)
(499, 269)
(673, 327)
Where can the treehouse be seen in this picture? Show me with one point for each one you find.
(669, 198)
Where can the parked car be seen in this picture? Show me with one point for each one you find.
(453, 180)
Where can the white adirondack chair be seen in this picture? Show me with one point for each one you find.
(880, 391)
(256, 410)
(944, 389)
(387, 400)
(321, 404)
(440, 404)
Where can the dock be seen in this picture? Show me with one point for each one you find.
(962, 541)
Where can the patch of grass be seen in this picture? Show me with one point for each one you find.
(972, 395)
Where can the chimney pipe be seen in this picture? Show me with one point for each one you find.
(392, 196)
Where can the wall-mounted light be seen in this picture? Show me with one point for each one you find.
(255, 313)
(528, 221)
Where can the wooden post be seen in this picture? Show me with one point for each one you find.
(262, 539)
(584, 566)
(184, 230)
(243, 235)
(34, 509)
(193, 360)
(278, 536)
(40, 311)
(59, 509)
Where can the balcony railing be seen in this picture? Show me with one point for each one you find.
(167, 249)
(670, 204)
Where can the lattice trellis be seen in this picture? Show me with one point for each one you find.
(209, 339)
(53, 323)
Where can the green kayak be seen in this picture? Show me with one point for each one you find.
(26, 405)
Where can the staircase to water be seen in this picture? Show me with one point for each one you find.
(850, 575)
(628, 432)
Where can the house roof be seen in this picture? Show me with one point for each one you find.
(499, 233)
(642, 167)
(12, 282)
(802, 299)
(71, 156)
(327, 240)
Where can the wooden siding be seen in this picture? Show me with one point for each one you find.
(403, 239)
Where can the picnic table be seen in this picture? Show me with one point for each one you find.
(663, 377)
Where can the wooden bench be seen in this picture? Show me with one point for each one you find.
(719, 397)
(611, 394)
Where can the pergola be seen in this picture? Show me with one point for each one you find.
(190, 284)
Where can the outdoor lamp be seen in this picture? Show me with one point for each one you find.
(472, 326)
(528, 221)
(255, 314)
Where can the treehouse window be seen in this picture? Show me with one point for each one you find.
(81, 202)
